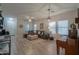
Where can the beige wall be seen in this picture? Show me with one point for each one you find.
(20, 32)
(21, 20)
(70, 15)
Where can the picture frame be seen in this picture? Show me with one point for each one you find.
(41, 25)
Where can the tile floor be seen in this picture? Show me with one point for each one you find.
(37, 47)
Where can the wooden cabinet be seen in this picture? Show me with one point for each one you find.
(70, 46)
(73, 34)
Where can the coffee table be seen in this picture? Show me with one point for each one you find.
(32, 37)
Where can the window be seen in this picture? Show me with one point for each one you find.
(10, 24)
(26, 27)
(35, 27)
(52, 27)
(62, 27)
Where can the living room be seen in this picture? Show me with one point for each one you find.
(41, 28)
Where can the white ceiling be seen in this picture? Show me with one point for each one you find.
(38, 10)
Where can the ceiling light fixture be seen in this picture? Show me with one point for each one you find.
(30, 20)
(49, 12)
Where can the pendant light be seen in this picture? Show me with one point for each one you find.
(30, 19)
(49, 12)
